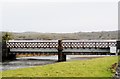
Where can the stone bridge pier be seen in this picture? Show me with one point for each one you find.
(61, 55)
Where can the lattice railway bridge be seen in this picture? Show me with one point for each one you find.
(62, 47)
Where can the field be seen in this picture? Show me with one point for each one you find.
(98, 67)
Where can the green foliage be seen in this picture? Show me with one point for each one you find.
(98, 67)
(7, 36)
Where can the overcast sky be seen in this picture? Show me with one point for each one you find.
(58, 15)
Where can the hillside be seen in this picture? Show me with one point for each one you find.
(78, 35)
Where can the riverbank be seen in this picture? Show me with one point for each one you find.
(98, 67)
(117, 73)
(23, 62)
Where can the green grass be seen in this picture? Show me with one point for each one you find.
(98, 67)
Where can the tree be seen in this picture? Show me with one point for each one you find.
(5, 51)
(7, 36)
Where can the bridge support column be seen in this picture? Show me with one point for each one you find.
(12, 56)
(118, 48)
(64, 57)
(61, 56)
(5, 51)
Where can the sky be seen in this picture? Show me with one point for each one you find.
(58, 16)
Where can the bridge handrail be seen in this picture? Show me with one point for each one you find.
(65, 43)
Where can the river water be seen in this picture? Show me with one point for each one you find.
(24, 62)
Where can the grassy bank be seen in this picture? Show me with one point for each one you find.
(98, 67)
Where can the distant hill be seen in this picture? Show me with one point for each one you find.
(76, 35)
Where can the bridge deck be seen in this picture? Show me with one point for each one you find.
(73, 46)
(42, 50)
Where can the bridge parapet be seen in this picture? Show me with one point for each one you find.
(65, 44)
(89, 44)
(32, 44)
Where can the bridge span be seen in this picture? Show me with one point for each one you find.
(62, 47)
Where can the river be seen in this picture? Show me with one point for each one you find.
(24, 62)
